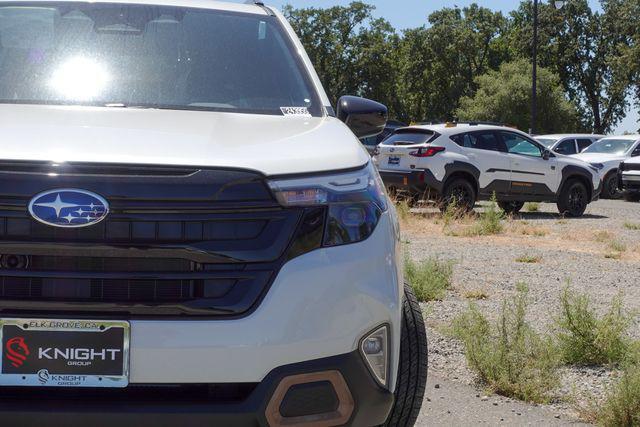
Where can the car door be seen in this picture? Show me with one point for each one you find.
(531, 174)
(487, 153)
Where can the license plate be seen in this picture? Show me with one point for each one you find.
(394, 160)
(64, 353)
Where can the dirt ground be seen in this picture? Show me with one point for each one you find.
(598, 254)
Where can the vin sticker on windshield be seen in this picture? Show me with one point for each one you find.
(295, 111)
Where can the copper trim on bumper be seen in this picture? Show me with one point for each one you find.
(330, 419)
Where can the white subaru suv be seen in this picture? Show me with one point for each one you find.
(465, 162)
(606, 155)
(190, 235)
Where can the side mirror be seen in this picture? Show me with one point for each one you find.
(546, 154)
(363, 116)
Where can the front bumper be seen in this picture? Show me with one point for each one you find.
(319, 307)
(372, 403)
(597, 191)
(629, 181)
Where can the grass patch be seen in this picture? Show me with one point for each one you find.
(622, 404)
(584, 338)
(532, 207)
(617, 246)
(509, 356)
(429, 278)
(602, 236)
(631, 226)
(475, 294)
(489, 221)
(529, 259)
(403, 209)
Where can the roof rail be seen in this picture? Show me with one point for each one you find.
(261, 4)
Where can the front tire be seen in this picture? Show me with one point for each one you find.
(411, 381)
(610, 186)
(573, 199)
(511, 207)
(461, 192)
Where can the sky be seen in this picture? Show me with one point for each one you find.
(413, 13)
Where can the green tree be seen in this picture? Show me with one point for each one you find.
(582, 47)
(443, 59)
(623, 17)
(352, 52)
(505, 96)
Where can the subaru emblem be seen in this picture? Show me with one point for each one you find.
(68, 208)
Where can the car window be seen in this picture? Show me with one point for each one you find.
(583, 143)
(408, 138)
(636, 152)
(147, 56)
(610, 146)
(479, 141)
(547, 142)
(568, 146)
(518, 144)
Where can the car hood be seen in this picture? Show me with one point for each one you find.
(272, 145)
(599, 157)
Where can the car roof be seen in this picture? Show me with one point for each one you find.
(449, 129)
(570, 135)
(200, 4)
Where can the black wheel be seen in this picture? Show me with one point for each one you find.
(459, 191)
(610, 186)
(511, 207)
(412, 371)
(573, 199)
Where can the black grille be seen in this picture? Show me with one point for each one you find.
(176, 242)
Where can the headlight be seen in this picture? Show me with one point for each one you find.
(597, 166)
(354, 202)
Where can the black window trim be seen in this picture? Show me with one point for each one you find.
(502, 147)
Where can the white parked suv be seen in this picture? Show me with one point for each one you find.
(629, 176)
(467, 162)
(606, 155)
(567, 143)
(190, 235)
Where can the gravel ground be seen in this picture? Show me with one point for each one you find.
(575, 251)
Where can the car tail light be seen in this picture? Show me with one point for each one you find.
(354, 202)
(426, 152)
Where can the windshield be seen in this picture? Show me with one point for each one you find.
(547, 142)
(610, 146)
(123, 55)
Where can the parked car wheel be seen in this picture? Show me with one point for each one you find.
(511, 207)
(610, 186)
(461, 192)
(573, 199)
(412, 372)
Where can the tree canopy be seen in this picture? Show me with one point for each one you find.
(505, 96)
(591, 61)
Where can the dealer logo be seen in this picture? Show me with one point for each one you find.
(16, 350)
(43, 376)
